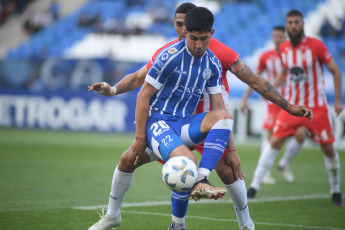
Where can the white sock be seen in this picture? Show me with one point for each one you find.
(293, 147)
(202, 173)
(264, 165)
(264, 145)
(333, 170)
(120, 185)
(238, 195)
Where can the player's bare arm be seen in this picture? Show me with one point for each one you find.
(131, 81)
(265, 89)
(141, 116)
(244, 105)
(128, 83)
(334, 69)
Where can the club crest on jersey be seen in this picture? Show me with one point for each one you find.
(172, 50)
(206, 74)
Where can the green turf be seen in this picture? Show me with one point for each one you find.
(46, 174)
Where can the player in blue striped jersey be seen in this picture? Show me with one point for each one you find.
(172, 89)
(181, 78)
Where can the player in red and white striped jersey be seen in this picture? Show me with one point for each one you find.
(303, 58)
(270, 64)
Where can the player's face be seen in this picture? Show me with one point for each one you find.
(180, 26)
(294, 28)
(197, 43)
(278, 37)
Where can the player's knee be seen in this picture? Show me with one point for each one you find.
(277, 143)
(328, 150)
(223, 115)
(301, 134)
(126, 163)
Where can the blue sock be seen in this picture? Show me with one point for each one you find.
(179, 203)
(215, 144)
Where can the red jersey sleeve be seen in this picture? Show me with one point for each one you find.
(153, 58)
(322, 53)
(262, 63)
(226, 55)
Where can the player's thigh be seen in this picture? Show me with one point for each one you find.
(191, 133)
(211, 118)
(161, 138)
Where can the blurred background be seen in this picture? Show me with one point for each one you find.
(50, 51)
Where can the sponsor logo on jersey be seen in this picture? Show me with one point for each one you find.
(297, 74)
(189, 90)
(206, 74)
(172, 51)
(165, 56)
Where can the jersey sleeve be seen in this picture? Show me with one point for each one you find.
(153, 58)
(262, 63)
(161, 69)
(323, 54)
(225, 54)
(214, 84)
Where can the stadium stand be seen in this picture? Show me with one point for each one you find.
(89, 31)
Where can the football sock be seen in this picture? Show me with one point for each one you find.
(333, 171)
(120, 185)
(293, 147)
(215, 143)
(238, 195)
(264, 145)
(265, 163)
(179, 204)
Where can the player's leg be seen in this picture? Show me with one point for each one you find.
(265, 162)
(121, 182)
(217, 125)
(293, 147)
(214, 127)
(237, 192)
(332, 164)
(268, 179)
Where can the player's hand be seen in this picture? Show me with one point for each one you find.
(138, 147)
(244, 106)
(234, 161)
(300, 111)
(338, 107)
(103, 88)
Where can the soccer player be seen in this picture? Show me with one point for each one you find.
(302, 59)
(228, 167)
(270, 63)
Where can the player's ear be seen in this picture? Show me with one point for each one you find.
(212, 32)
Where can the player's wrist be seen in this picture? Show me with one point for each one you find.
(288, 108)
(112, 91)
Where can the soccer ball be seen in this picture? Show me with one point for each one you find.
(179, 173)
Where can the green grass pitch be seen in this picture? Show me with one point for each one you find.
(58, 180)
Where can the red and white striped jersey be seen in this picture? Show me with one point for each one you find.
(306, 84)
(271, 65)
(226, 56)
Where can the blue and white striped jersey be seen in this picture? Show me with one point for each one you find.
(181, 78)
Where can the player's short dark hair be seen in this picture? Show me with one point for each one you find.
(294, 12)
(279, 28)
(184, 8)
(199, 19)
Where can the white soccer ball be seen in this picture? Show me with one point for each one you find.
(179, 173)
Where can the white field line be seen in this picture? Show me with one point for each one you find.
(256, 200)
(234, 220)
